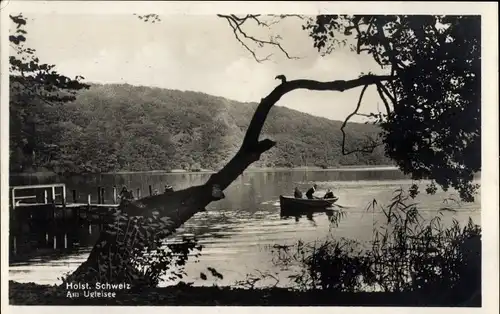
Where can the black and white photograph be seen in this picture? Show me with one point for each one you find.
(240, 154)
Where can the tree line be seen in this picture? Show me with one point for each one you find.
(120, 127)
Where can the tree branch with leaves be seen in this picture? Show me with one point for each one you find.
(33, 85)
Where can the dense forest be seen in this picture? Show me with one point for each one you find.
(120, 127)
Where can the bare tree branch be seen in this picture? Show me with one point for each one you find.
(381, 94)
(368, 149)
(387, 93)
(288, 86)
(236, 24)
(393, 86)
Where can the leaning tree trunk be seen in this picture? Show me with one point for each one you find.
(179, 206)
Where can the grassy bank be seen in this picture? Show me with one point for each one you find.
(183, 295)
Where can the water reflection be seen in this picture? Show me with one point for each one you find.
(211, 224)
(233, 231)
(333, 215)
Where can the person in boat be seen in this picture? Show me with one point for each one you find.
(123, 192)
(329, 194)
(297, 193)
(126, 194)
(168, 189)
(311, 191)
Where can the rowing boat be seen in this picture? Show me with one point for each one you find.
(290, 202)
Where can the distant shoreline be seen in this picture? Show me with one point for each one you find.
(181, 171)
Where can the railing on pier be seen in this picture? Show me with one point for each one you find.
(54, 210)
(52, 187)
(55, 194)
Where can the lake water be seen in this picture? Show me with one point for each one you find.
(237, 232)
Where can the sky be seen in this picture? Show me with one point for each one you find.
(198, 53)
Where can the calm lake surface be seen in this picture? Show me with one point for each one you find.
(238, 232)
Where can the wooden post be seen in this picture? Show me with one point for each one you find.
(14, 245)
(74, 196)
(63, 200)
(64, 197)
(99, 195)
(150, 190)
(87, 209)
(45, 196)
(90, 228)
(53, 195)
(114, 195)
(13, 199)
(65, 240)
(138, 193)
(75, 212)
(102, 196)
(55, 242)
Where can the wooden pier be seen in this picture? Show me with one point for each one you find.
(49, 216)
(55, 198)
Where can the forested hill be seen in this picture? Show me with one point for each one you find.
(115, 127)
